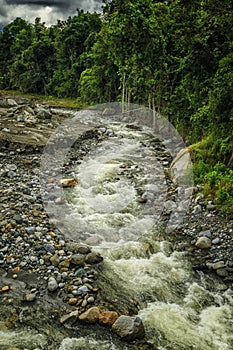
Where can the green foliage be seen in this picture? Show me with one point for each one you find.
(174, 56)
(216, 177)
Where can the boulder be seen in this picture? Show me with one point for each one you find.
(181, 166)
(129, 328)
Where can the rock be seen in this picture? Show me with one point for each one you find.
(83, 249)
(181, 165)
(30, 230)
(77, 259)
(216, 240)
(83, 290)
(55, 260)
(69, 182)
(206, 233)
(218, 265)
(203, 243)
(84, 303)
(30, 297)
(18, 218)
(91, 315)
(222, 272)
(129, 328)
(73, 301)
(8, 102)
(43, 113)
(49, 248)
(211, 207)
(108, 318)
(93, 258)
(78, 248)
(90, 300)
(71, 317)
(197, 209)
(52, 284)
(64, 264)
(109, 111)
(5, 289)
(80, 273)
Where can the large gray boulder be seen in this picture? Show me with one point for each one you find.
(129, 328)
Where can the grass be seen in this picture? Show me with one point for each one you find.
(209, 168)
(48, 100)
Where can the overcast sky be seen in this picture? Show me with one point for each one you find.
(48, 10)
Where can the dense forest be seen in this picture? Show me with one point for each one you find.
(174, 56)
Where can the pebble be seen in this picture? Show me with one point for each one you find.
(52, 284)
(83, 290)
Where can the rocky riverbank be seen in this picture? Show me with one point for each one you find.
(44, 273)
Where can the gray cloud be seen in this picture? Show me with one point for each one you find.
(48, 10)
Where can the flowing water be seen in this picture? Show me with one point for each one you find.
(117, 208)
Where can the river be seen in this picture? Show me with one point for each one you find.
(122, 206)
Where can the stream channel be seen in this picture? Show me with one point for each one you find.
(125, 204)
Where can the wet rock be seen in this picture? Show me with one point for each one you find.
(72, 317)
(206, 233)
(91, 315)
(197, 209)
(49, 248)
(69, 182)
(108, 318)
(129, 328)
(55, 260)
(180, 165)
(93, 258)
(90, 300)
(222, 272)
(73, 301)
(80, 273)
(211, 207)
(78, 248)
(203, 243)
(43, 113)
(30, 297)
(30, 230)
(216, 240)
(83, 290)
(5, 289)
(77, 259)
(218, 265)
(8, 102)
(18, 218)
(64, 264)
(52, 284)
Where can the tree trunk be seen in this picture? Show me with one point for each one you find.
(123, 94)
(230, 163)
